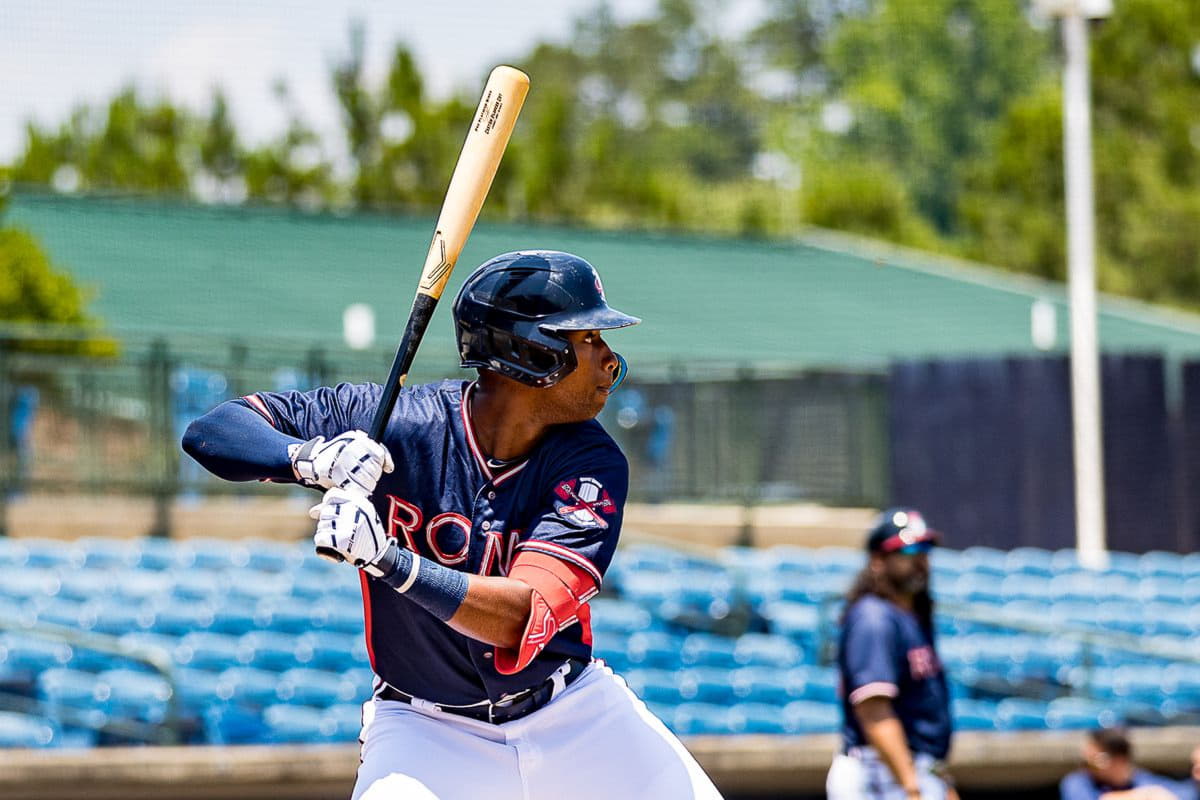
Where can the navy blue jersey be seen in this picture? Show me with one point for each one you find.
(883, 651)
(447, 502)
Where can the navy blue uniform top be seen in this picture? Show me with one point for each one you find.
(883, 651)
(1079, 785)
(446, 501)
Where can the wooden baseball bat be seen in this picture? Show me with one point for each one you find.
(486, 139)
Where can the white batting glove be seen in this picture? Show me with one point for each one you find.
(350, 461)
(349, 525)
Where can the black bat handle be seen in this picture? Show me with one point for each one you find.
(414, 331)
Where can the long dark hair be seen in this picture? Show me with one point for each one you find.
(870, 582)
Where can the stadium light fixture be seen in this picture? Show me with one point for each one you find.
(1090, 535)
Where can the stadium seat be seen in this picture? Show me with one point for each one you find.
(213, 652)
(974, 715)
(115, 617)
(708, 650)
(52, 554)
(60, 687)
(654, 649)
(1160, 564)
(85, 584)
(766, 650)
(287, 724)
(141, 586)
(154, 553)
(282, 615)
(23, 657)
(267, 555)
(332, 650)
(613, 648)
(1020, 714)
(251, 586)
(124, 693)
(756, 718)
(1079, 713)
(196, 690)
(29, 584)
(247, 687)
(194, 585)
(806, 716)
(346, 719)
(706, 685)
(765, 685)
(313, 687)
(794, 620)
(340, 616)
(274, 651)
(179, 619)
(13, 553)
(104, 553)
(985, 563)
(820, 683)
(1029, 562)
(233, 724)
(697, 719)
(24, 730)
(619, 616)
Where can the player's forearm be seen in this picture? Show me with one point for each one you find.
(495, 611)
(885, 733)
(237, 444)
(489, 609)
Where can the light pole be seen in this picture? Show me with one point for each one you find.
(1081, 275)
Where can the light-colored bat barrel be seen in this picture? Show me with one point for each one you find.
(487, 137)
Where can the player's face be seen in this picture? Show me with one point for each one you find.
(908, 573)
(582, 394)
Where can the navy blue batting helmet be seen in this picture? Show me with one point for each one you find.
(512, 312)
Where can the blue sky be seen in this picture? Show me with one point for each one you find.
(55, 53)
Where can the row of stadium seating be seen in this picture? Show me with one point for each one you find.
(265, 642)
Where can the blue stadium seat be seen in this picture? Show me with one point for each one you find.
(24, 730)
(1079, 713)
(362, 679)
(233, 724)
(619, 616)
(767, 650)
(332, 650)
(283, 615)
(794, 620)
(141, 586)
(154, 553)
(814, 589)
(213, 652)
(62, 611)
(844, 561)
(179, 619)
(211, 554)
(195, 585)
(233, 618)
(1161, 564)
(613, 648)
(103, 553)
(288, 724)
(12, 553)
(247, 687)
(1020, 714)
(340, 617)
(267, 555)
(758, 718)
(698, 719)
(84, 584)
(820, 683)
(22, 657)
(985, 562)
(251, 586)
(124, 693)
(274, 651)
(197, 690)
(29, 584)
(1022, 586)
(1029, 562)
(60, 687)
(654, 649)
(974, 715)
(706, 685)
(52, 553)
(708, 650)
(313, 687)
(765, 685)
(115, 617)
(346, 719)
(806, 716)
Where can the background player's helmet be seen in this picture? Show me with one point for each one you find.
(512, 312)
(898, 529)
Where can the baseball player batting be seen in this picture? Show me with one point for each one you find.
(481, 523)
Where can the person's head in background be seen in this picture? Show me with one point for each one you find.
(1196, 765)
(1108, 757)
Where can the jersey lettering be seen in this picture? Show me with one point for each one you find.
(405, 517)
(442, 526)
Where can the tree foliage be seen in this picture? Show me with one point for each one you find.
(933, 123)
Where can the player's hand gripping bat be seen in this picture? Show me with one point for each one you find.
(487, 137)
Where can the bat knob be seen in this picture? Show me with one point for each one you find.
(330, 554)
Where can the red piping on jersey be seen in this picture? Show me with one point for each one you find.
(565, 553)
(258, 405)
(469, 427)
(366, 594)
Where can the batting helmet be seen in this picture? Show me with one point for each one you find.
(512, 312)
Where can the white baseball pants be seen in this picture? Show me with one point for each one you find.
(594, 741)
(864, 776)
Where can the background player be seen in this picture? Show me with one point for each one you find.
(479, 546)
(1108, 772)
(895, 704)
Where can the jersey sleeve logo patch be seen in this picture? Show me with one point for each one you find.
(585, 500)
